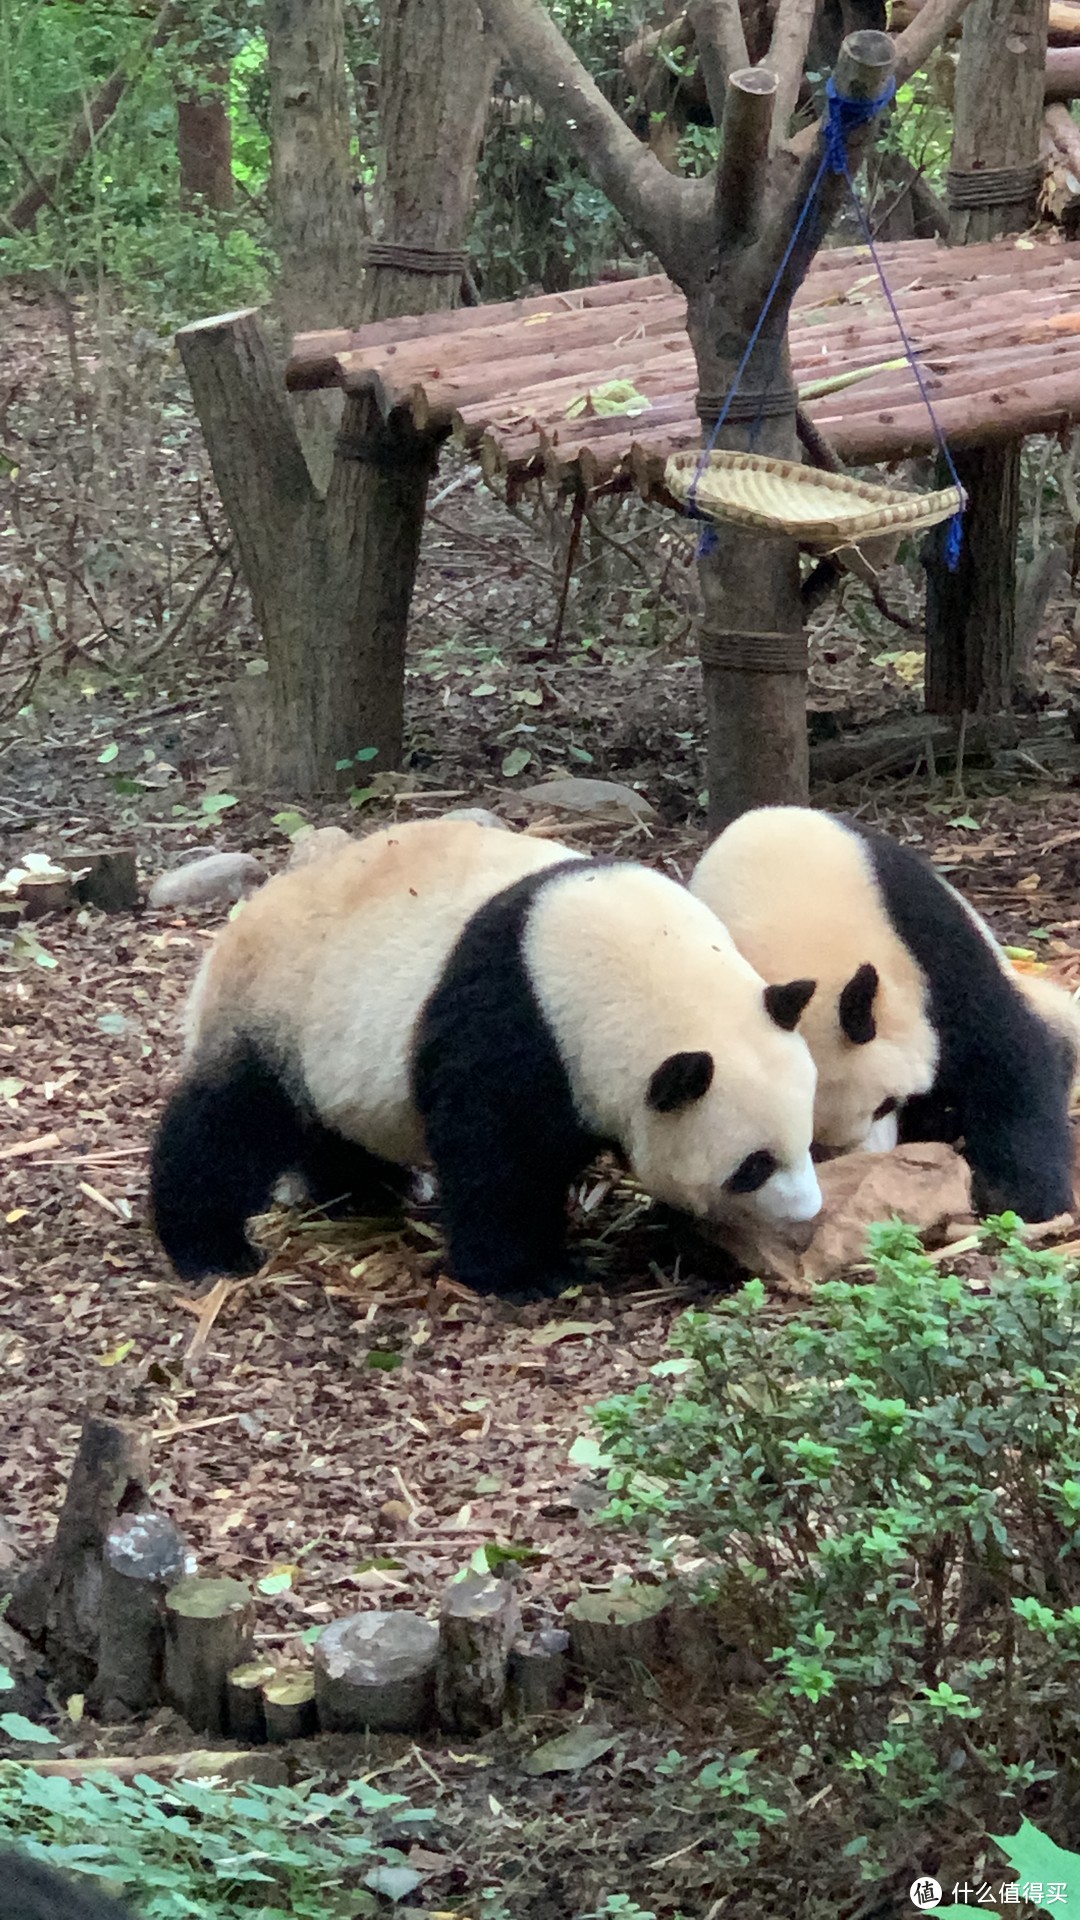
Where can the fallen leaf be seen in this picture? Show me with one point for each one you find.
(567, 1330)
(570, 1752)
(395, 1882)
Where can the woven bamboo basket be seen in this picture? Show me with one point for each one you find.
(824, 510)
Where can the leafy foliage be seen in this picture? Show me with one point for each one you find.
(200, 1847)
(886, 1503)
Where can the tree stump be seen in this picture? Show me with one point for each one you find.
(60, 1605)
(479, 1622)
(289, 1705)
(613, 1633)
(243, 1687)
(109, 881)
(144, 1555)
(208, 1630)
(539, 1670)
(376, 1670)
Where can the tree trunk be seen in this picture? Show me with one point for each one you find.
(330, 573)
(204, 141)
(436, 69)
(971, 660)
(316, 215)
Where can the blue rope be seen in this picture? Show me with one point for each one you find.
(842, 118)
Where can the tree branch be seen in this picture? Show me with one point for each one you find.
(741, 180)
(721, 46)
(666, 211)
(786, 58)
(934, 22)
(863, 71)
(927, 30)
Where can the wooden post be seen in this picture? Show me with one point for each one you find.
(753, 651)
(331, 575)
(993, 182)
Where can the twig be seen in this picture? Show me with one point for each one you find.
(721, 46)
(574, 542)
(187, 613)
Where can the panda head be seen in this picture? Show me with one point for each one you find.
(873, 1051)
(724, 1134)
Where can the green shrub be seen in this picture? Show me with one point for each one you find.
(219, 1852)
(885, 1502)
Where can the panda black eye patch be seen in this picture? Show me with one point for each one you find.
(753, 1172)
(886, 1107)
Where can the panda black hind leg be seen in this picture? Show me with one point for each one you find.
(228, 1133)
(343, 1177)
(499, 1118)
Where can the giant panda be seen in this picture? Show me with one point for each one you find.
(920, 1028)
(499, 1008)
(33, 1891)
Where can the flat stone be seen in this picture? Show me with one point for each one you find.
(315, 843)
(483, 817)
(217, 879)
(604, 799)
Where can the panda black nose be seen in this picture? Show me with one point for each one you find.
(819, 1152)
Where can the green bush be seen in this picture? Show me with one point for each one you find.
(885, 1502)
(219, 1852)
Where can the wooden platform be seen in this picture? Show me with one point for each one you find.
(997, 327)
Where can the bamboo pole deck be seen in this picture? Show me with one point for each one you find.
(997, 327)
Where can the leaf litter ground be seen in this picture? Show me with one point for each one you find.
(350, 1421)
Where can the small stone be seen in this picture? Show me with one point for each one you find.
(603, 799)
(482, 816)
(315, 843)
(217, 879)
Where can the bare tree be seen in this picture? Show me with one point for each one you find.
(329, 544)
(722, 240)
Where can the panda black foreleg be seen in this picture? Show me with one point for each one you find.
(504, 1162)
(228, 1133)
(343, 1177)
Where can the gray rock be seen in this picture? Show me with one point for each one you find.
(482, 816)
(316, 843)
(217, 879)
(603, 799)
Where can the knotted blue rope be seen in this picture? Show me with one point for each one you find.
(843, 116)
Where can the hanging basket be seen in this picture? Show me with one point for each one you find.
(822, 510)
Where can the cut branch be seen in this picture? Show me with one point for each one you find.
(660, 207)
(786, 58)
(740, 186)
(721, 46)
(932, 24)
(863, 72)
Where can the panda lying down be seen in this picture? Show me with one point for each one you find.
(501, 1009)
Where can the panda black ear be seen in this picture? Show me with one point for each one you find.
(856, 1006)
(679, 1080)
(785, 1004)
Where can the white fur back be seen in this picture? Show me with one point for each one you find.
(336, 960)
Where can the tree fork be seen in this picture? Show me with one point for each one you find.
(331, 575)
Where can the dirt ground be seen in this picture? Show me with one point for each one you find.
(349, 1414)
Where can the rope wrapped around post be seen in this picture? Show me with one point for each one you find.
(973, 187)
(410, 258)
(753, 652)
